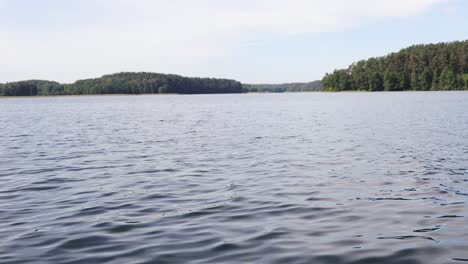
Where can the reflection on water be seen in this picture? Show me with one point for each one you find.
(270, 178)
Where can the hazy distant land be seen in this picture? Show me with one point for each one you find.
(314, 86)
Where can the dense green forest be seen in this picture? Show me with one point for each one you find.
(442, 66)
(124, 83)
(285, 87)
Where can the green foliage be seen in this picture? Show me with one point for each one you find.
(285, 87)
(442, 66)
(392, 81)
(150, 83)
(464, 80)
(24, 88)
(339, 80)
(124, 83)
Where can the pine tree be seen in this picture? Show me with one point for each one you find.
(415, 84)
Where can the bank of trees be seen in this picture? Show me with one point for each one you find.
(285, 87)
(124, 83)
(442, 66)
(31, 88)
(18, 89)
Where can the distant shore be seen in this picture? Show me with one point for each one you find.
(246, 93)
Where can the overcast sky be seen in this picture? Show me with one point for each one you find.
(253, 41)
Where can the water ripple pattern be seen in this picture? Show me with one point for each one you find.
(249, 178)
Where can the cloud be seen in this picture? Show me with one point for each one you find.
(281, 16)
(149, 34)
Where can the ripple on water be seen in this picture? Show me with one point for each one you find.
(259, 178)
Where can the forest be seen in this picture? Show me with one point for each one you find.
(124, 83)
(442, 66)
(285, 87)
(428, 67)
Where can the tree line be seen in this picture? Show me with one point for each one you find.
(442, 66)
(285, 87)
(124, 83)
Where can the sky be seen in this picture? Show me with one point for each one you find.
(252, 41)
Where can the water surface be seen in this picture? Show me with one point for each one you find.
(250, 178)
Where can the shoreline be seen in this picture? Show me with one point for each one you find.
(165, 94)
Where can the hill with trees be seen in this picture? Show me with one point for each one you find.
(442, 66)
(124, 83)
(285, 87)
(31, 88)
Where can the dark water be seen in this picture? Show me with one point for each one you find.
(258, 178)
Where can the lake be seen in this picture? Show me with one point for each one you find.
(247, 178)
